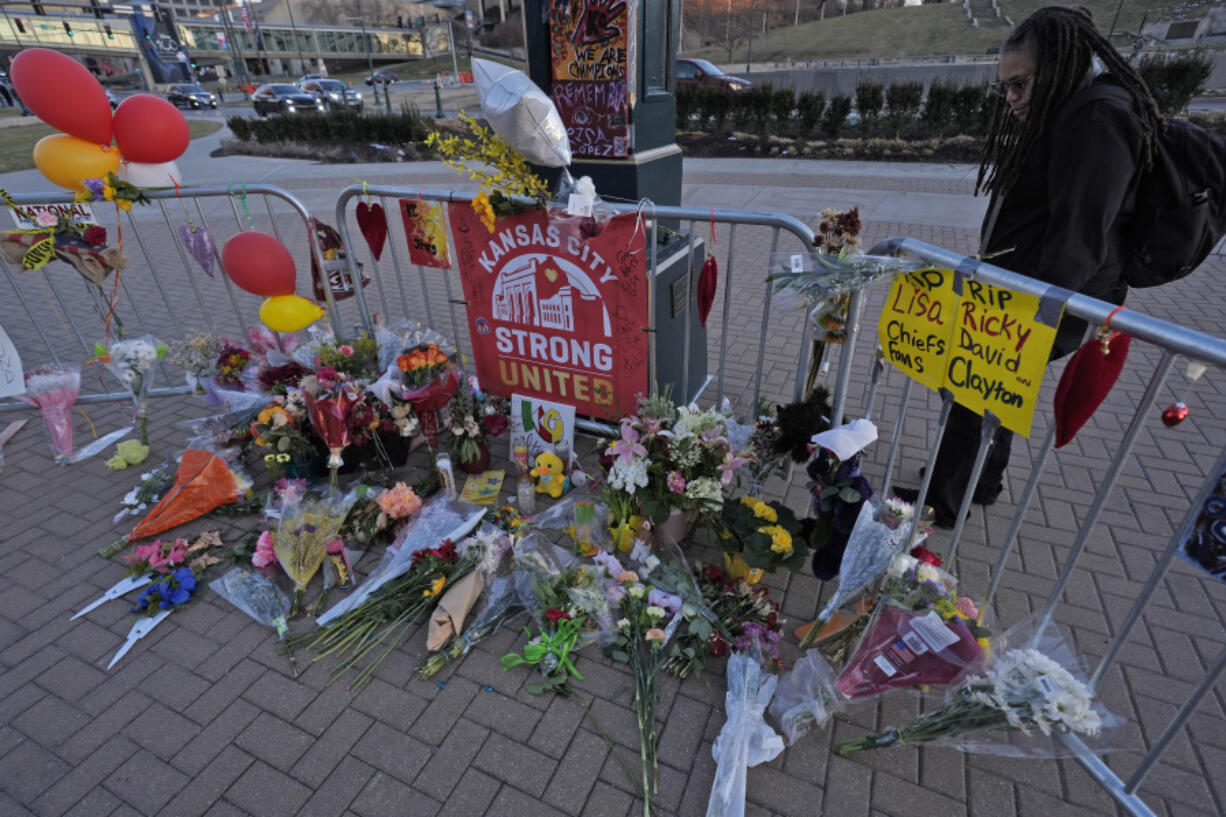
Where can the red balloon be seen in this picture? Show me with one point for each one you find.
(150, 130)
(259, 264)
(63, 93)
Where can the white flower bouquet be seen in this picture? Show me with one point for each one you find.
(132, 362)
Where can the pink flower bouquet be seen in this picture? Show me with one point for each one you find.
(53, 390)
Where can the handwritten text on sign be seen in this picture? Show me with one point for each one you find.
(986, 346)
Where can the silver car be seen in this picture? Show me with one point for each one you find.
(335, 95)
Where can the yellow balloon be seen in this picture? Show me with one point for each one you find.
(289, 313)
(69, 161)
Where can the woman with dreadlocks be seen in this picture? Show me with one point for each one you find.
(1075, 127)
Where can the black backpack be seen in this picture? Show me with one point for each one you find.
(1180, 211)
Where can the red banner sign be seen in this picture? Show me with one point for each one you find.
(555, 314)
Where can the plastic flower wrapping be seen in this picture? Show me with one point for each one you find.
(131, 361)
(745, 739)
(53, 390)
(306, 527)
(1013, 708)
(257, 596)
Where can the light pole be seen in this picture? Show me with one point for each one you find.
(289, 6)
(370, 60)
(455, 64)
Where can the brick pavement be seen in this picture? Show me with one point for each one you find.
(204, 717)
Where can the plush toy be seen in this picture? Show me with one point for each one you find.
(549, 477)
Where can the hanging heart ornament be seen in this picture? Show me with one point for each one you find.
(1174, 415)
(372, 221)
(708, 278)
(199, 244)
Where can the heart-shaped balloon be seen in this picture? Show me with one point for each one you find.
(372, 221)
(199, 244)
(1087, 379)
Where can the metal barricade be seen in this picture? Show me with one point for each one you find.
(162, 290)
(1172, 340)
(734, 281)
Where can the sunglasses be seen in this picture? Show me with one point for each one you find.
(1017, 85)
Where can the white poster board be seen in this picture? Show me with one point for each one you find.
(12, 379)
(539, 425)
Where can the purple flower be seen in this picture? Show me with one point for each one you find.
(658, 598)
(628, 446)
(94, 186)
(676, 482)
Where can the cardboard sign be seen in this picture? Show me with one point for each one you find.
(596, 115)
(998, 353)
(589, 39)
(916, 324)
(988, 345)
(12, 378)
(426, 233)
(539, 425)
(554, 314)
(80, 212)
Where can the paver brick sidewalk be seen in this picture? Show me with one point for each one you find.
(205, 717)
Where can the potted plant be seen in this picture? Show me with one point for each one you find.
(759, 537)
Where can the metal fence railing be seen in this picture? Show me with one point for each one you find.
(1170, 340)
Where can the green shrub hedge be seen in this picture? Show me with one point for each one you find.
(1174, 79)
(407, 127)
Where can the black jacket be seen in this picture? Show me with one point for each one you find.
(1065, 216)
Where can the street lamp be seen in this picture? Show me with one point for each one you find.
(294, 29)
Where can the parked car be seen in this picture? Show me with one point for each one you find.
(335, 95)
(692, 73)
(282, 99)
(380, 77)
(190, 96)
(110, 97)
(309, 77)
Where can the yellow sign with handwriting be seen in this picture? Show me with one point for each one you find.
(988, 345)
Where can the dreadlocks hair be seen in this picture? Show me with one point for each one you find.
(1061, 41)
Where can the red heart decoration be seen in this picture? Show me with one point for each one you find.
(1085, 383)
(372, 221)
(707, 279)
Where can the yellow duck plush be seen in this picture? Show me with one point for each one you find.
(549, 477)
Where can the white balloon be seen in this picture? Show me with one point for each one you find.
(165, 174)
(521, 113)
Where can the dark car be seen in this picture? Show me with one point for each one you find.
(283, 99)
(335, 95)
(380, 77)
(110, 97)
(190, 96)
(692, 73)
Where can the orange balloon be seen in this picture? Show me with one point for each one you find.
(69, 161)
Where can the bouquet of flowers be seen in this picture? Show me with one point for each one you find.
(358, 358)
(169, 591)
(147, 491)
(765, 535)
(1022, 690)
(871, 548)
(498, 603)
(330, 398)
(257, 596)
(474, 417)
(232, 361)
(737, 606)
(278, 430)
(430, 381)
(370, 631)
(132, 362)
(302, 536)
(53, 390)
(642, 632)
(197, 354)
(380, 514)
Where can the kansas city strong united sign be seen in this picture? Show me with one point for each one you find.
(553, 312)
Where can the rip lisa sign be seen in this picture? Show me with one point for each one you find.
(554, 313)
(988, 345)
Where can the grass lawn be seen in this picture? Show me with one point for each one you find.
(913, 31)
(17, 141)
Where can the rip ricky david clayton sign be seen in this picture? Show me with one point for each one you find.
(554, 312)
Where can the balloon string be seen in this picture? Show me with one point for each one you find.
(113, 300)
(186, 213)
(92, 430)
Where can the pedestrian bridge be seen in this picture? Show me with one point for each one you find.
(214, 41)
